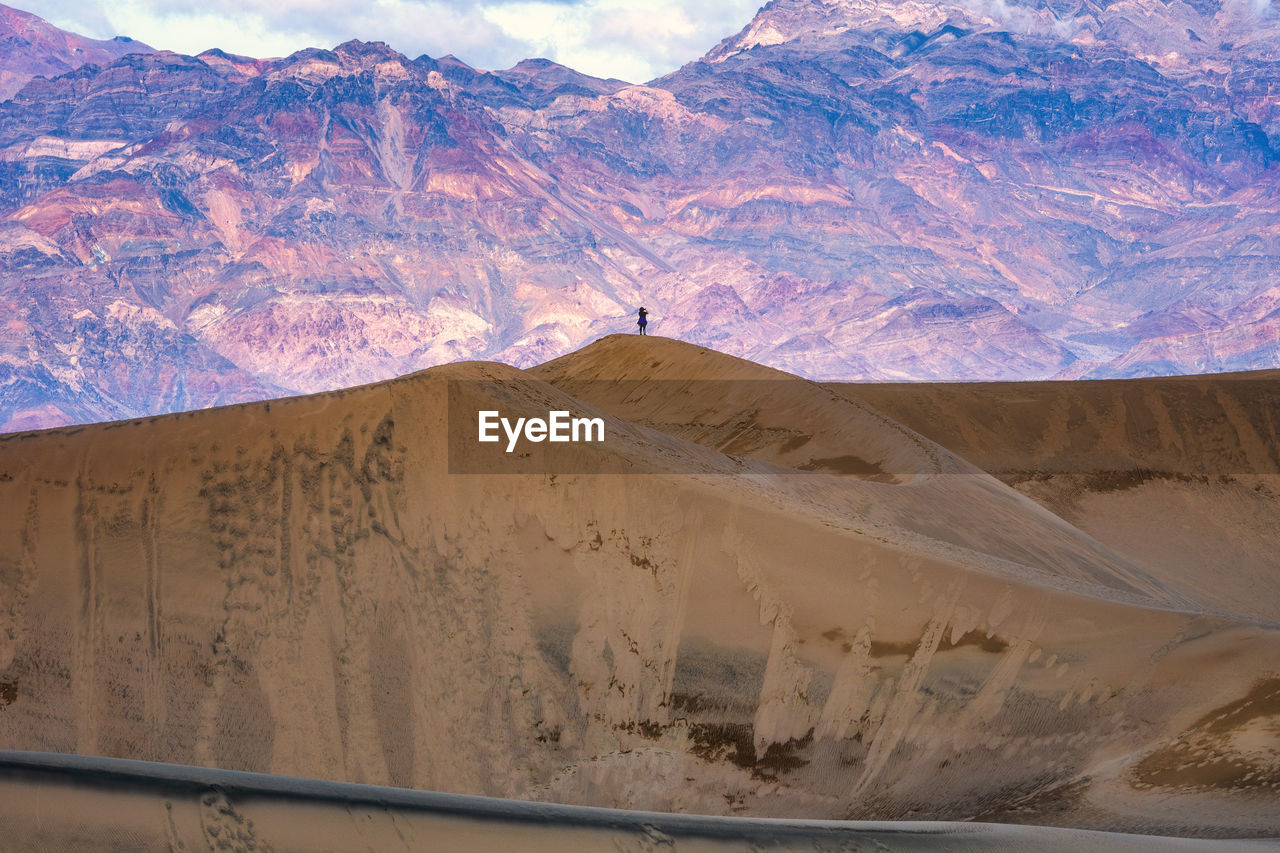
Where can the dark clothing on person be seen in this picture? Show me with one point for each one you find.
(644, 321)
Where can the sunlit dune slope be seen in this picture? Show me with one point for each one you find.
(1181, 475)
(303, 587)
(751, 412)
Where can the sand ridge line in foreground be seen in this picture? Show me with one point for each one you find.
(262, 808)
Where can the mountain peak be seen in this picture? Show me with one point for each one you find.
(378, 50)
(34, 47)
(545, 80)
(1171, 33)
(316, 64)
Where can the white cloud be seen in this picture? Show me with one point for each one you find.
(634, 40)
(631, 40)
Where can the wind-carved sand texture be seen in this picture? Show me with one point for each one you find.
(823, 615)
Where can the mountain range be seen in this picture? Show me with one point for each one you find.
(844, 189)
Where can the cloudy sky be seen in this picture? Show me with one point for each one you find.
(634, 40)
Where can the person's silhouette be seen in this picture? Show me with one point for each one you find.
(644, 320)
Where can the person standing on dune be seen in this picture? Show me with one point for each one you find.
(644, 320)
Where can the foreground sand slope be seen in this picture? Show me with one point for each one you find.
(302, 587)
(68, 802)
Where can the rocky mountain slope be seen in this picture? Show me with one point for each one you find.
(847, 190)
(31, 46)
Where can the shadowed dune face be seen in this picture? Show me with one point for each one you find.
(1180, 475)
(303, 587)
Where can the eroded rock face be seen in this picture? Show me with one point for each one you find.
(845, 190)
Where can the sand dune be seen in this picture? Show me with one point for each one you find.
(1200, 453)
(804, 602)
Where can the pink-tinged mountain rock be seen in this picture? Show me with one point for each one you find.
(31, 46)
(846, 190)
